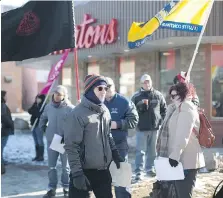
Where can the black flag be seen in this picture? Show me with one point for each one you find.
(36, 29)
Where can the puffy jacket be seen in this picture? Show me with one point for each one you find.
(151, 115)
(6, 121)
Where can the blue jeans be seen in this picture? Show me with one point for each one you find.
(145, 148)
(38, 136)
(121, 192)
(4, 141)
(52, 173)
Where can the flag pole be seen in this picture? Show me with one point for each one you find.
(198, 42)
(76, 56)
(51, 87)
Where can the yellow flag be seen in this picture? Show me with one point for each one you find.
(184, 15)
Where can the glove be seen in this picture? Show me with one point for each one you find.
(81, 182)
(117, 158)
(62, 140)
(173, 163)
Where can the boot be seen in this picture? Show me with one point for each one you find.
(51, 193)
(40, 154)
(37, 150)
(66, 193)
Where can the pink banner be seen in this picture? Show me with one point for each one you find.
(54, 72)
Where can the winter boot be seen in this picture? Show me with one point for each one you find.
(66, 193)
(51, 193)
(37, 151)
(40, 154)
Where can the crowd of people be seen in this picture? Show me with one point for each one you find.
(95, 134)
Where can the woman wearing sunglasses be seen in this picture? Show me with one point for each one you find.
(89, 144)
(177, 141)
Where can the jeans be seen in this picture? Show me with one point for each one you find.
(145, 148)
(52, 173)
(4, 141)
(38, 136)
(100, 181)
(122, 192)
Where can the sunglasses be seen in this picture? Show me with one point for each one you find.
(173, 95)
(102, 88)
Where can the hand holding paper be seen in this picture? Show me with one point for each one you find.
(56, 144)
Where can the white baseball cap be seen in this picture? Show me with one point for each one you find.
(145, 77)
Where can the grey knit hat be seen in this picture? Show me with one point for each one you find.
(61, 90)
(91, 80)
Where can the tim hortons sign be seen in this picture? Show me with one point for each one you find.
(88, 36)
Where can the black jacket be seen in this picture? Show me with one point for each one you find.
(34, 111)
(6, 121)
(151, 115)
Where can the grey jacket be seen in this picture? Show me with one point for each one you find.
(88, 141)
(53, 116)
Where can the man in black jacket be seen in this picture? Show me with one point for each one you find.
(37, 133)
(7, 126)
(151, 107)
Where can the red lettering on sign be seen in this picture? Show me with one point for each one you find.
(87, 36)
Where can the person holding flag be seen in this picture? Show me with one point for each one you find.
(54, 113)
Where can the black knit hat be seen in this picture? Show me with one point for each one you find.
(91, 80)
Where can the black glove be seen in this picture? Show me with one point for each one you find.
(62, 140)
(81, 182)
(117, 158)
(173, 163)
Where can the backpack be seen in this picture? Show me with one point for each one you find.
(205, 135)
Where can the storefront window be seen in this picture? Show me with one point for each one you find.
(93, 68)
(168, 70)
(127, 78)
(217, 80)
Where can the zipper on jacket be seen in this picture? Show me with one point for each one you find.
(102, 137)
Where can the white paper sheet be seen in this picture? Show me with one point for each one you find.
(56, 144)
(164, 172)
(121, 177)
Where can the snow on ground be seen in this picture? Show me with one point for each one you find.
(28, 179)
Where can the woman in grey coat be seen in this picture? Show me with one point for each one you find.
(53, 114)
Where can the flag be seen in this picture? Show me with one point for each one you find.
(36, 29)
(140, 32)
(184, 15)
(189, 16)
(54, 72)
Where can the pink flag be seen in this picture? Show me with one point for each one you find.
(54, 72)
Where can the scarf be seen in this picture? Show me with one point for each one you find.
(163, 137)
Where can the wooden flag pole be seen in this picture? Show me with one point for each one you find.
(198, 42)
(76, 56)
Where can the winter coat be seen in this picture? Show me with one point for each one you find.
(88, 140)
(151, 116)
(183, 144)
(124, 113)
(53, 115)
(35, 113)
(7, 124)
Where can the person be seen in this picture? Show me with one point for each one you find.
(151, 107)
(7, 127)
(181, 77)
(34, 110)
(54, 113)
(124, 116)
(89, 144)
(176, 139)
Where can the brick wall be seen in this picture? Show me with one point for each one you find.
(14, 89)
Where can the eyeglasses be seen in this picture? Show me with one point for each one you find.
(173, 95)
(102, 88)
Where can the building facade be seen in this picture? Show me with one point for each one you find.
(102, 48)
